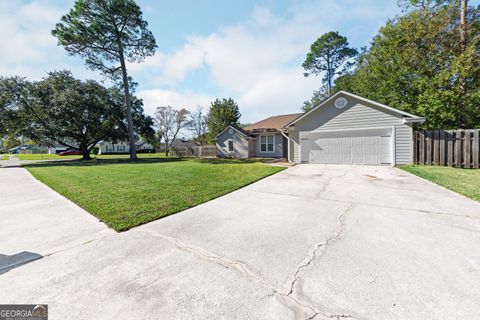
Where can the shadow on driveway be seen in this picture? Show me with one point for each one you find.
(9, 262)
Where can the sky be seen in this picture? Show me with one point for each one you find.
(249, 50)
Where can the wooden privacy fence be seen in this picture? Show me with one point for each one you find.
(195, 151)
(454, 148)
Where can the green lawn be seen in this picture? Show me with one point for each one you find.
(106, 156)
(125, 194)
(463, 181)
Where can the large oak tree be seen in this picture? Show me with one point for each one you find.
(77, 114)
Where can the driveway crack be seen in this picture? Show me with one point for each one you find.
(243, 269)
(321, 246)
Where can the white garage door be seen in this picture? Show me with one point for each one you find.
(346, 148)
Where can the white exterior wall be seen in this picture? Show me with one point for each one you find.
(108, 147)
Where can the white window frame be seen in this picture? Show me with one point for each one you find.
(228, 145)
(266, 143)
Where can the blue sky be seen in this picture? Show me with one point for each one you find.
(248, 50)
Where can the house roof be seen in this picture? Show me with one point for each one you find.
(275, 122)
(240, 130)
(411, 117)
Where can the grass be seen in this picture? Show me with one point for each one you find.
(106, 156)
(125, 194)
(4, 157)
(463, 181)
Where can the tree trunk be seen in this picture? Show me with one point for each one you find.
(167, 147)
(131, 138)
(85, 153)
(463, 47)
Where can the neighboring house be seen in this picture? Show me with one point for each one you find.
(107, 147)
(343, 129)
(57, 149)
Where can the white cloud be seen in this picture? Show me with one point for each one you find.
(28, 48)
(186, 99)
(258, 62)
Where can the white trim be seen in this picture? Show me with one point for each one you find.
(260, 144)
(227, 127)
(359, 98)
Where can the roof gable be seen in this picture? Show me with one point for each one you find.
(241, 131)
(367, 102)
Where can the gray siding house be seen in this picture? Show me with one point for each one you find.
(343, 129)
(263, 139)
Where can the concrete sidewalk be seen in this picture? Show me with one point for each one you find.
(312, 242)
(36, 221)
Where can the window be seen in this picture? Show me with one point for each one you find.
(120, 148)
(266, 143)
(230, 145)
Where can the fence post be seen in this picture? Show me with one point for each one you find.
(429, 147)
(467, 149)
(442, 147)
(475, 148)
(422, 147)
(436, 147)
(458, 148)
(450, 148)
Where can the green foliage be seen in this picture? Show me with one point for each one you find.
(106, 33)
(11, 141)
(222, 113)
(331, 55)
(12, 90)
(317, 97)
(102, 31)
(415, 63)
(76, 114)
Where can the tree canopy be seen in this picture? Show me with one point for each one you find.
(169, 122)
(329, 55)
(106, 33)
(416, 64)
(222, 113)
(77, 114)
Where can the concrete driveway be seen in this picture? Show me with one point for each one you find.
(314, 241)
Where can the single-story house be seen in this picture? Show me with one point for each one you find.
(342, 129)
(108, 147)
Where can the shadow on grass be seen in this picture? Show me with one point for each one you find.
(99, 162)
(152, 160)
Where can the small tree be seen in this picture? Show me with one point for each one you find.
(222, 114)
(198, 125)
(169, 122)
(107, 33)
(329, 54)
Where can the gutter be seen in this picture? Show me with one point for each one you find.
(288, 146)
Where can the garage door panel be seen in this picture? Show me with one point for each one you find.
(373, 150)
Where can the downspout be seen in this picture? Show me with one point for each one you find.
(288, 145)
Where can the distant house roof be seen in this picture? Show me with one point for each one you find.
(274, 123)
